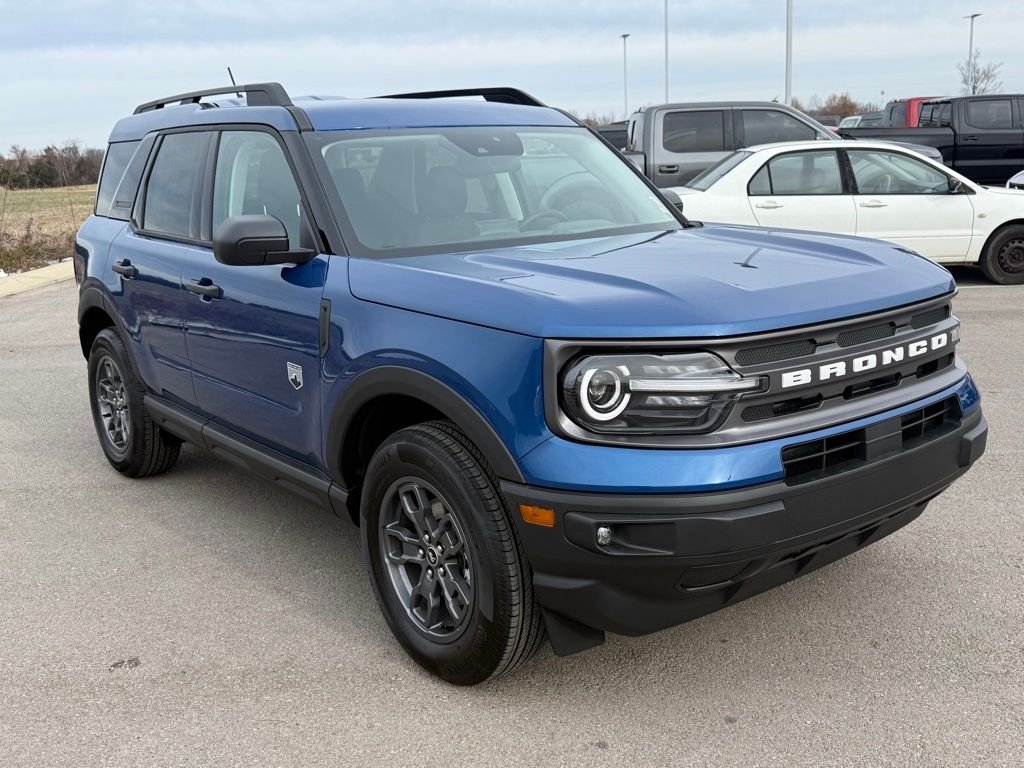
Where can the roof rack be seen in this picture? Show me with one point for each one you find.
(257, 95)
(502, 94)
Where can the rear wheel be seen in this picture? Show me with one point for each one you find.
(133, 444)
(1003, 260)
(444, 557)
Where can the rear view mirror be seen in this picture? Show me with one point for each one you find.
(252, 240)
(672, 198)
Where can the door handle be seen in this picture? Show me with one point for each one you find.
(207, 290)
(971, 138)
(770, 205)
(668, 169)
(873, 204)
(124, 268)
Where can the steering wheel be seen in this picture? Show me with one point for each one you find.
(530, 223)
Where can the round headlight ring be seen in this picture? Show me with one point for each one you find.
(620, 396)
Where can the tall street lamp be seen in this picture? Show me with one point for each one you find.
(970, 51)
(666, 51)
(625, 79)
(789, 53)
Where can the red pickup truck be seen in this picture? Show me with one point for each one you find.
(903, 113)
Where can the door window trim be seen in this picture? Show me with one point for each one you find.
(967, 189)
(846, 188)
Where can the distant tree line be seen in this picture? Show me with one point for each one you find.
(66, 165)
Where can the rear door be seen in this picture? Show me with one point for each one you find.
(686, 141)
(802, 190)
(148, 258)
(907, 201)
(990, 144)
(253, 332)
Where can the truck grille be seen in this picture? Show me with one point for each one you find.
(828, 456)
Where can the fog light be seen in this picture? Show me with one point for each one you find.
(604, 536)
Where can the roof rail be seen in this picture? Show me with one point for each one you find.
(257, 95)
(502, 94)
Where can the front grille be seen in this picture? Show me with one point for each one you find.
(932, 316)
(864, 335)
(772, 353)
(829, 456)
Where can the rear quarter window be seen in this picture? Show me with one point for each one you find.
(115, 163)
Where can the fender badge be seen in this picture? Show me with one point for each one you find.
(295, 375)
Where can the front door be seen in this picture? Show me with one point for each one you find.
(253, 331)
(906, 200)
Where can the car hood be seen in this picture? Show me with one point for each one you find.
(710, 281)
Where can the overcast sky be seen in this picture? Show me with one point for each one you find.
(73, 67)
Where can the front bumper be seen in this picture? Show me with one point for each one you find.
(677, 557)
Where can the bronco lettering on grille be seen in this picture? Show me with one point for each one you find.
(869, 361)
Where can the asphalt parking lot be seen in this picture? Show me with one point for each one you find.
(207, 618)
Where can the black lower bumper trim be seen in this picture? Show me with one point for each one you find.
(675, 558)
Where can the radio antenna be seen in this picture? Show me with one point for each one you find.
(237, 93)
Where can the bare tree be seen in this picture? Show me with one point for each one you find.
(977, 79)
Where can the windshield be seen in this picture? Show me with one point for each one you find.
(709, 176)
(428, 190)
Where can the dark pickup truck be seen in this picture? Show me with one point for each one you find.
(982, 137)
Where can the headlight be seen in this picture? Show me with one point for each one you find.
(652, 394)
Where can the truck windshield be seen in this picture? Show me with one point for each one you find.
(428, 190)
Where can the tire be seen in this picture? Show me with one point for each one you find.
(1003, 260)
(499, 625)
(132, 442)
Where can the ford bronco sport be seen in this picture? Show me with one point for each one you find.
(552, 405)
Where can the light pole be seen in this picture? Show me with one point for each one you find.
(666, 51)
(970, 47)
(625, 79)
(789, 53)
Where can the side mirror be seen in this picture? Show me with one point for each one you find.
(253, 240)
(956, 187)
(672, 198)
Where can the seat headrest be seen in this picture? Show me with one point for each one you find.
(443, 192)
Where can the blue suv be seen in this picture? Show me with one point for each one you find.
(552, 404)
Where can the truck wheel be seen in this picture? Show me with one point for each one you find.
(133, 444)
(1003, 260)
(444, 557)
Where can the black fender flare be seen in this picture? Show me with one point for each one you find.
(93, 296)
(399, 380)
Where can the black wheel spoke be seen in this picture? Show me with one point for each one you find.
(427, 560)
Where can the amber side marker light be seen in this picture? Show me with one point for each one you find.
(537, 515)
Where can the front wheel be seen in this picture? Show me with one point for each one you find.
(444, 557)
(132, 442)
(1003, 259)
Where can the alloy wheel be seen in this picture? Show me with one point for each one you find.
(112, 404)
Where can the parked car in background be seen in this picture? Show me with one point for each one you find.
(903, 113)
(868, 119)
(672, 143)
(872, 189)
(982, 137)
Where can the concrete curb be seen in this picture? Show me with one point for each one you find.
(20, 282)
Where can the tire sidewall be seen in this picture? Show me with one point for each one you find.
(470, 657)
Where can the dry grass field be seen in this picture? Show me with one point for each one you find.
(38, 226)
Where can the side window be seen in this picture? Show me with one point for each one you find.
(694, 131)
(252, 177)
(892, 173)
(114, 165)
(761, 184)
(802, 173)
(990, 113)
(766, 126)
(175, 184)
